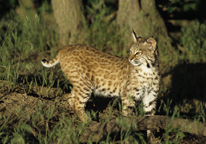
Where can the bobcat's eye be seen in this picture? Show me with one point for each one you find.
(137, 53)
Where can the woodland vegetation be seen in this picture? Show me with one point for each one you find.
(33, 105)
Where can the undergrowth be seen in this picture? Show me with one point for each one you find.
(25, 41)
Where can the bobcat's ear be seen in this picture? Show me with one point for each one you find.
(135, 36)
(153, 43)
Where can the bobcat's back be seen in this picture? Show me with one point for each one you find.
(105, 74)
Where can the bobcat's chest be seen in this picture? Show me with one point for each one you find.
(143, 81)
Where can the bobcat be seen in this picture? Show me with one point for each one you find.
(90, 70)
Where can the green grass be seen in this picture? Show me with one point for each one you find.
(194, 43)
(25, 42)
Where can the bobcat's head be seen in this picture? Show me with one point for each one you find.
(143, 51)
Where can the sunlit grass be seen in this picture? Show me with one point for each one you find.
(20, 39)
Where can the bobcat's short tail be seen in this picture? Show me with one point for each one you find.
(50, 63)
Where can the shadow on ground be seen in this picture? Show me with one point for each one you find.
(188, 86)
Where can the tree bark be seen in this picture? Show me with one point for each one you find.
(143, 17)
(97, 131)
(69, 18)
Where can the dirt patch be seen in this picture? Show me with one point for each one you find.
(19, 104)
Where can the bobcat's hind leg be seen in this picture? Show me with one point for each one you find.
(71, 98)
(79, 97)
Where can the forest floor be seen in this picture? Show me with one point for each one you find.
(19, 105)
(33, 99)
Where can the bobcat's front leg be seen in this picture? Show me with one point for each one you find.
(128, 105)
(149, 105)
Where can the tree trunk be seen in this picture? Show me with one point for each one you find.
(143, 17)
(69, 18)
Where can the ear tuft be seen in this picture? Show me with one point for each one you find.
(152, 42)
(135, 36)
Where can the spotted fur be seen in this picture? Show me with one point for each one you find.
(90, 70)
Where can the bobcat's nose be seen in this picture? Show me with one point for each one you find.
(131, 57)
